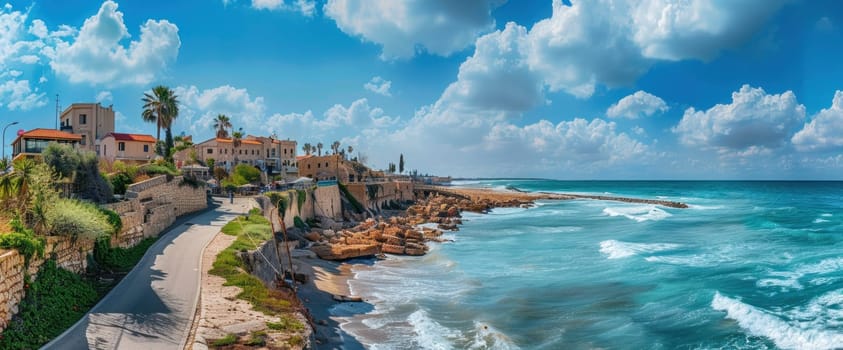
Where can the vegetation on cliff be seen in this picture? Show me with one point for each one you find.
(251, 231)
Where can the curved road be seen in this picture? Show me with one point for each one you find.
(153, 306)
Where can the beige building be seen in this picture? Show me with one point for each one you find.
(279, 155)
(91, 121)
(321, 168)
(130, 148)
(33, 142)
(227, 155)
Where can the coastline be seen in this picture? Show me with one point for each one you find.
(327, 278)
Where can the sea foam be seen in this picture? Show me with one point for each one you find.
(762, 323)
(487, 337)
(638, 213)
(430, 334)
(618, 249)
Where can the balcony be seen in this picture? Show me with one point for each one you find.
(66, 128)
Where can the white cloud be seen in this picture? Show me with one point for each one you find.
(639, 104)
(696, 29)
(11, 31)
(404, 27)
(97, 56)
(42, 80)
(379, 86)
(18, 95)
(825, 130)
(306, 7)
(358, 117)
(753, 122)
(38, 28)
(29, 59)
(200, 107)
(104, 97)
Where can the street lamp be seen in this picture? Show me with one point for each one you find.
(4, 137)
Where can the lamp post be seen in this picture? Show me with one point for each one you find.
(4, 137)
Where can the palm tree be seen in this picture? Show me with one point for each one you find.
(237, 137)
(307, 148)
(161, 107)
(222, 123)
(17, 182)
(319, 148)
(335, 147)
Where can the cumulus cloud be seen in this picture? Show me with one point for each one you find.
(12, 25)
(696, 29)
(358, 117)
(200, 107)
(379, 86)
(38, 28)
(95, 55)
(404, 27)
(753, 123)
(639, 104)
(825, 130)
(18, 95)
(306, 7)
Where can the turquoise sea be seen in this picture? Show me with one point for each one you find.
(751, 265)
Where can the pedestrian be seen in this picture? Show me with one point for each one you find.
(231, 197)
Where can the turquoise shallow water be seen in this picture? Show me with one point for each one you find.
(751, 265)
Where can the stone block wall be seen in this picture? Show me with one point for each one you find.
(328, 203)
(383, 193)
(153, 205)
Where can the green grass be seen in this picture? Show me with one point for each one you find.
(229, 266)
(286, 323)
(227, 340)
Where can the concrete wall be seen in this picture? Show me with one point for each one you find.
(154, 206)
(328, 203)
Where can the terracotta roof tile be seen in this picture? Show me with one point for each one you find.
(51, 134)
(131, 137)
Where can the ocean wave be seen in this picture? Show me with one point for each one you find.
(826, 215)
(703, 260)
(430, 334)
(487, 337)
(618, 249)
(759, 322)
(705, 207)
(819, 221)
(638, 213)
(790, 279)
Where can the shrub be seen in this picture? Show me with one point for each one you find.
(358, 208)
(120, 259)
(158, 169)
(192, 182)
(113, 220)
(54, 302)
(63, 158)
(301, 196)
(286, 323)
(120, 182)
(247, 172)
(73, 218)
(25, 243)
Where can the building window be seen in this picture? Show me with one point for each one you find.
(98, 149)
(145, 148)
(319, 165)
(105, 150)
(83, 119)
(121, 146)
(308, 166)
(285, 151)
(84, 138)
(210, 151)
(326, 164)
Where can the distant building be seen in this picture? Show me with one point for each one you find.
(33, 142)
(131, 148)
(91, 121)
(227, 155)
(334, 167)
(279, 155)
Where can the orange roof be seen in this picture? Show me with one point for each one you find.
(51, 134)
(131, 137)
(304, 156)
(243, 141)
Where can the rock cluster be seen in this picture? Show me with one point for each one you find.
(401, 235)
(393, 236)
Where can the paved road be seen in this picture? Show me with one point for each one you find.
(153, 306)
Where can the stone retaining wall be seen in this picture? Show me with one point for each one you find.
(153, 206)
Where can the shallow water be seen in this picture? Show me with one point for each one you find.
(751, 265)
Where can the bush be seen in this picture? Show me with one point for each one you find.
(120, 259)
(113, 220)
(54, 302)
(73, 218)
(120, 182)
(158, 169)
(229, 339)
(192, 182)
(247, 173)
(25, 243)
(358, 208)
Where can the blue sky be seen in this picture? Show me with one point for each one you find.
(643, 89)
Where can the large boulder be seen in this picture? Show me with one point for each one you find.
(392, 249)
(345, 251)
